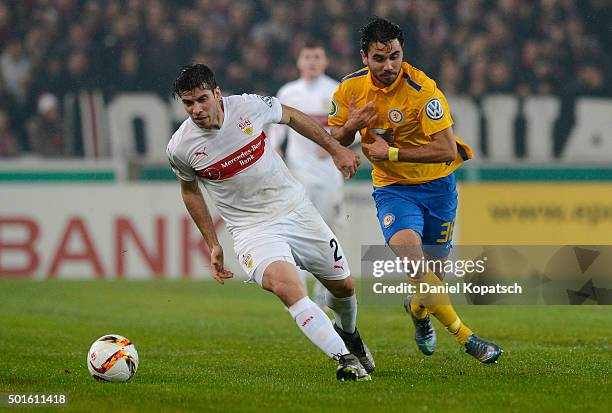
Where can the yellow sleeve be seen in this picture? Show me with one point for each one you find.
(338, 111)
(435, 114)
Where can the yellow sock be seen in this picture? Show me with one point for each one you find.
(439, 305)
(458, 329)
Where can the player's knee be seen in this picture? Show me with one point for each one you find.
(279, 285)
(286, 289)
(405, 238)
(283, 285)
(342, 288)
(278, 275)
(407, 244)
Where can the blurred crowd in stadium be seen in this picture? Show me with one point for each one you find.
(472, 47)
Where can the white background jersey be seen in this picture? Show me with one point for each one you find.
(245, 177)
(308, 161)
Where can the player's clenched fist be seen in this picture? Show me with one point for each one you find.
(378, 150)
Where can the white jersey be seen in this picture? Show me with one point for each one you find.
(246, 179)
(306, 160)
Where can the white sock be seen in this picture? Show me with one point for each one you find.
(318, 295)
(317, 327)
(345, 311)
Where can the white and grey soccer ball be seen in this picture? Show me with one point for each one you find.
(112, 358)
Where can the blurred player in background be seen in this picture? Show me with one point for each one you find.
(273, 225)
(407, 133)
(307, 161)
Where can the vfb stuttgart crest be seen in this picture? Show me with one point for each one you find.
(246, 126)
(247, 261)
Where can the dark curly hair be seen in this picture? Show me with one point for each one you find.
(379, 30)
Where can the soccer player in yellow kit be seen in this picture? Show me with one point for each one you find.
(407, 134)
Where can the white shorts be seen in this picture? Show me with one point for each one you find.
(326, 194)
(300, 237)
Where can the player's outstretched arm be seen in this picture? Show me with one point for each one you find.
(442, 148)
(346, 160)
(194, 202)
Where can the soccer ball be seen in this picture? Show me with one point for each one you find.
(112, 358)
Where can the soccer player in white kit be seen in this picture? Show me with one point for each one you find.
(274, 226)
(308, 162)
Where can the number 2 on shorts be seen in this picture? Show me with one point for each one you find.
(334, 244)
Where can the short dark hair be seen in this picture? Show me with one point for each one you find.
(312, 43)
(379, 30)
(193, 76)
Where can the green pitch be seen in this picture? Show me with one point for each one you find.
(206, 347)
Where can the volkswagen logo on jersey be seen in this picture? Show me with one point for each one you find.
(395, 116)
(434, 109)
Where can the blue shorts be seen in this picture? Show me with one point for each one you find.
(429, 209)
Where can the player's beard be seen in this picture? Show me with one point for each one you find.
(387, 78)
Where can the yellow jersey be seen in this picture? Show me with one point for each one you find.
(409, 111)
